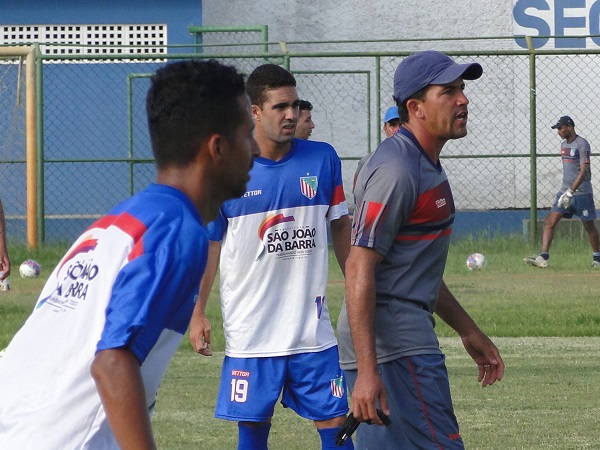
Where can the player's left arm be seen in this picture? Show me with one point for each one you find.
(584, 169)
(584, 165)
(118, 379)
(340, 238)
(4, 259)
(478, 345)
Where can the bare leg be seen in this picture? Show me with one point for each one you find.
(592, 232)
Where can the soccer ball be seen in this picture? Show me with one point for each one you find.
(475, 261)
(29, 269)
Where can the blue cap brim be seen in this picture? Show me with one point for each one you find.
(471, 71)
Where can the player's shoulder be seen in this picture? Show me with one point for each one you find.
(583, 140)
(396, 151)
(160, 206)
(307, 145)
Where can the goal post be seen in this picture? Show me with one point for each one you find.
(29, 54)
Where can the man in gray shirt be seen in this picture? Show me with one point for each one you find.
(394, 273)
(575, 196)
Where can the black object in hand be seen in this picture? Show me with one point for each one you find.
(351, 424)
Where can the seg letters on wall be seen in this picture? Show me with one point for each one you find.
(569, 20)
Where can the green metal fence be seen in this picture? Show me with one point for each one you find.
(94, 149)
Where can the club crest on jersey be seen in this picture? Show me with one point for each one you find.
(308, 186)
(337, 387)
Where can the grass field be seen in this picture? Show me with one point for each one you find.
(545, 322)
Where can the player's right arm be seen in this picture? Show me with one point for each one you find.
(360, 306)
(118, 379)
(199, 324)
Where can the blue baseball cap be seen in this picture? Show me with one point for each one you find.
(429, 67)
(390, 114)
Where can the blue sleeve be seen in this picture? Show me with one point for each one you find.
(154, 292)
(216, 228)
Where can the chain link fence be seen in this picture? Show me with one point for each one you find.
(13, 144)
(96, 152)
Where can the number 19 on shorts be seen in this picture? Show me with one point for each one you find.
(239, 390)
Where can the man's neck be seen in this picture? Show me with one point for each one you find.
(274, 151)
(431, 145)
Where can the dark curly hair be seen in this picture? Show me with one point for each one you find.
(186, 103)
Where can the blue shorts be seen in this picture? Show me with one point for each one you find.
(421, 412)
(313, 386)
(582, 207)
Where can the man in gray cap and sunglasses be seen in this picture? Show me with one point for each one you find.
(394, 273)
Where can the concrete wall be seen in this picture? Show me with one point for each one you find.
(361, 20)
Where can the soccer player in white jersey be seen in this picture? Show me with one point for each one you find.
(273, 248)
(84, 370)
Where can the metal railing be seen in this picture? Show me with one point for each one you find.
(94, 150)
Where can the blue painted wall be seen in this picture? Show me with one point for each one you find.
(177, 14)
(85, 106)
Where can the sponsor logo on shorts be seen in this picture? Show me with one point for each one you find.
(337, 387)
(440, 203)
(240, 373)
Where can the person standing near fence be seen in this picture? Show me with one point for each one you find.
(84, 370)
(575, 196)
(394, 273)
(391, 124)
(305, 124)
(4, 258)
(391, 121)
(273, 277)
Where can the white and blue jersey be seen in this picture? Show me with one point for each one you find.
(128, 282)
(274, 254)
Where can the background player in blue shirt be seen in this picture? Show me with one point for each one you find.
(305, 124)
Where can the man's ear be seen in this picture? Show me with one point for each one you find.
(215, 144)
(414, 106)
(255, 112)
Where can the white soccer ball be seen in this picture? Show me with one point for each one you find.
(475, 261)
(29, 269)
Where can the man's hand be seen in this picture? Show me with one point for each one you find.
(368, 390)
(486, 355)
(565, 200)
(200, 334)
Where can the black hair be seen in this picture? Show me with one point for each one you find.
(305, 105)
(403, 111)
(267, 77)
(187, 102)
